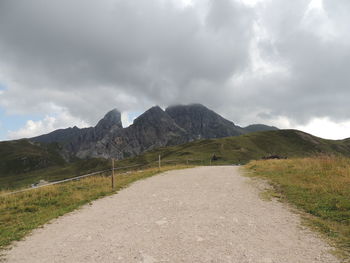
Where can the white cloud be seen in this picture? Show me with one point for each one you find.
(321, 127)
(251, 3)
(126, 121)
(250, 60)
(325, 128)
(46, 125)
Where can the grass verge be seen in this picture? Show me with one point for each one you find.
(320, 186)
(20, 213)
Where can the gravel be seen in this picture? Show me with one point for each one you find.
(205, 214)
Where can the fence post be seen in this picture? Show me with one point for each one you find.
(113, 174)
(159, 162)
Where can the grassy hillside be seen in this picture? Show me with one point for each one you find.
(24, 156)
(45, 163)
(319, 186)
(242, 149)
(23, 162)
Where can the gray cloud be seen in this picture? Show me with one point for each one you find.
(315, 50)
(90, 56)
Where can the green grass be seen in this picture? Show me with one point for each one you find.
(20, 213)
(244, 148)
(320, 186)
(24, 156)
(230, 150)
(53, 173)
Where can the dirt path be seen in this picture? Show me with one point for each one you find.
(206, 214)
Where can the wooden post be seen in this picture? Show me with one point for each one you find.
(159, 162)
(113, 184)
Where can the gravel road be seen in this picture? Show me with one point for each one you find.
(205, 214)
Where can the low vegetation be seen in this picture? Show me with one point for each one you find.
(22, 212)
(320, 186)
(16, 171)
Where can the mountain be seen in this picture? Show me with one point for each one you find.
(112, 120)
(154, 128)
(202, 123)
(24, 162)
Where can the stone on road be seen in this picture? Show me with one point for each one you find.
(205, 214)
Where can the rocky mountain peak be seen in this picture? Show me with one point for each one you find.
(201, 122)
(152, 115)
(154, 128)
(112, 118)
(192, 111)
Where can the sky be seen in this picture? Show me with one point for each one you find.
(66, 63)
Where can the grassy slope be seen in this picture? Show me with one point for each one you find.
(23, 163)
(319, 186)
(230, 150)
(52, 173)
(242, 149)
(23, 156)
(20, 213)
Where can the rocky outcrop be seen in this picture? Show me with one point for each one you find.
(155, 128)
(110, 121)
(202, 123)
(152, 129)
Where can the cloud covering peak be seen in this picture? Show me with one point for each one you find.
(259, 62)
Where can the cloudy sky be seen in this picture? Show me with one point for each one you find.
(279, 62)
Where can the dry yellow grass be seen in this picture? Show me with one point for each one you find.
(320, 186)
(22, 212)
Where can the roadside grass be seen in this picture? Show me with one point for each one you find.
(320, 186)
(22, 212)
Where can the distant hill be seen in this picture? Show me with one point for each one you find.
(259, 127)
(24, 156)
(228, 150)
(154, 128)
(252, 146)
(23, 162)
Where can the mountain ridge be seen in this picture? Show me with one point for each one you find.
(24, 162)
(154, 128)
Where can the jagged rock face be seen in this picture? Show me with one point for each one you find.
(201, 122)
(87, 142)
(60, 135)
(110, 120)
(154, 128)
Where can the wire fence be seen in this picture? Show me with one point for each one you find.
(111, 171)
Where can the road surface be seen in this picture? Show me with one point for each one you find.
(205, 214)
